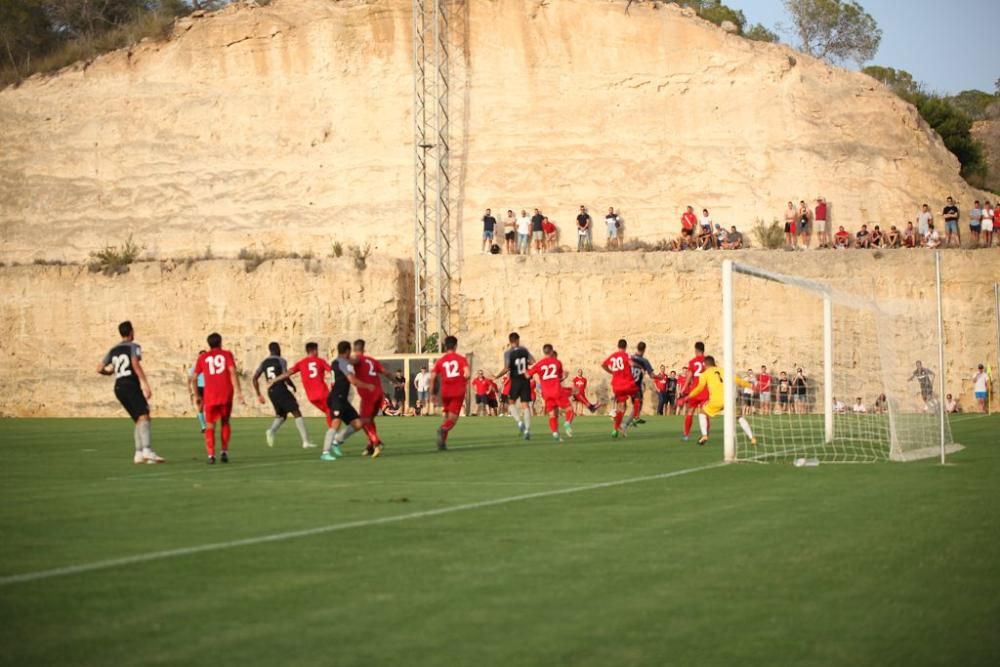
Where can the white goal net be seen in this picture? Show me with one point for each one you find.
(836, 374)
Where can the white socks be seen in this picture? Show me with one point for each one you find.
(328, 439)
(527, 420)
(276, 424)
(138, 440)
(745, 425)
(703, 423)
(145, 434)
(515, 412)
(300, 424)
(344, 434)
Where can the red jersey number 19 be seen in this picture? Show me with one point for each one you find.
(216, 364)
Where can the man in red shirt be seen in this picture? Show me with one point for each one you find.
(313, 369)
(821, 218)
(550, 376)
(695, 368)
(481, 388)
(688, 223)
(369, 370)
(219, 369)
(619, 367)
(579, 391)
(491, 398)
(764, 389)
(453, 369)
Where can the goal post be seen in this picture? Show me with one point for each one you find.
(872, 349)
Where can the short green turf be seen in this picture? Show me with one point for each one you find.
(728, 565)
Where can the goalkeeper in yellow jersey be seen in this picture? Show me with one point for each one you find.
(711, 379)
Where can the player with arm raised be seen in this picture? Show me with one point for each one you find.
(453, 369)
(640, 369)
(281, 396)
(313, 369)
(693, 400)
(221, 382)
(925, 378)
(339, 403)
(369, 371)
(124, 362)
(619, 367)
(710, 382)
(549, 371)
(517, 360)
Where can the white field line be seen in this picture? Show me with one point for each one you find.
(331, 528)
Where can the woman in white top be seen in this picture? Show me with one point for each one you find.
(988, 224)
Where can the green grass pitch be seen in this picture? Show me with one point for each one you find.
(724, 565)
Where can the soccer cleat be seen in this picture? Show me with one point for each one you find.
(520, 427)
(211, 460)
(377, 451)
(138, 459)
(149, 456)
(685, 438)
(337, 451)
(327, 456)
(367, 452)
(225, 457)
(269, 436)
(702, 440)
(569, 430)
(614, 434)
(640, 421)
(753, 441)
(527, 435)
(440, 438)
(308, 445)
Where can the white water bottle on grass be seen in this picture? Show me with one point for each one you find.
(806, 463)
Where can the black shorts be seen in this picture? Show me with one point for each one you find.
(201, 392)
(480, 399)
(399, 395)
(510, 236)
(283, 401)
(782, 398)
(670, 398)
(491, 402)
(520, 389)
(926, 393)
(131, 398)
(341, 409)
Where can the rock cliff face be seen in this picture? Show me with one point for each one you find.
(56, 322)
(289, 126)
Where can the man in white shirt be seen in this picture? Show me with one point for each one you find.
(932, 239)
(859, 407)
(523, 232)
(421, 383)
(951, 405)
(980, 388)
(924, 220)
(614, 224)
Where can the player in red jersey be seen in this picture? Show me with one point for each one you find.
(692, 404)
(368, 370)
(313, 369)
(550, 375)
(481, 388)
(453, 369)
(221, 379)
(579, 392)
(619, 367)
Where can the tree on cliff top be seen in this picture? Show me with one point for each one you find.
(835, 30)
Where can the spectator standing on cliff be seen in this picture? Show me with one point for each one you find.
(422, 384)
(803, 228)
(924, 220)
(821, 217)
(614, 224)
(688, 222)
(975, 223)
(988, 215)
(980, 387)
(523, 233)
(950, 214)
(510, 232)
(538, 231)
(791, 215)
(489, 230)
(584, 230)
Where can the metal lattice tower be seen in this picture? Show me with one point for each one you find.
(432, 223)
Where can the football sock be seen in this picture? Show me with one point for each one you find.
(448, 425)
(745, 425)
(328, 440)
(201, 419)
(527, 420)
(138, 440)
(636, 409)
(703, 424)
(554, 424)
(569, 416)
(344, 434)
(210, 439)
(515, 412)
(369, 430)
(276, 424)
(145, 434)
(688, 418)
(227, 432)
(300, 424)
(629, 420)
(618, 419)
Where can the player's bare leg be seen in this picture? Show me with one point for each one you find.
(201, 413)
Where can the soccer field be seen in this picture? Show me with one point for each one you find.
(643, 551)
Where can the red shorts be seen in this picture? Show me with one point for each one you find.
(558, 403)
(214, 413)
(453, 404)
(695, 402)
(623, 394)
(321, 405)
(371, 405)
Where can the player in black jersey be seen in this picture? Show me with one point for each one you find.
(124, 361)
(516, 361)
(640, 369)
(282, 399)
(340, 404)
(925, 378)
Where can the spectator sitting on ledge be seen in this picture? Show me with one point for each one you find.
(734, 240)
(878, 239)
(951, 405)
(909, 236)
(842, 239)
(932, 239)
(893, 240)
(864, 238)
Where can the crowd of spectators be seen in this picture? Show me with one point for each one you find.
(804, 227)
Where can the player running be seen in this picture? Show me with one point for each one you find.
(693, 400)
(580, 392)
(516, 361)
(369, 369)
(313, 369)
(925, 378)
(221, 380)
(619, 367)
(453, 369)
(640, 369)
(339, 404)
(710, 381)
(282, 399)
(550, 376)
(132, 390)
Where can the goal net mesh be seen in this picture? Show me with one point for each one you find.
(883, 407)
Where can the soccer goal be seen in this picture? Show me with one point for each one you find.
(837, 373)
